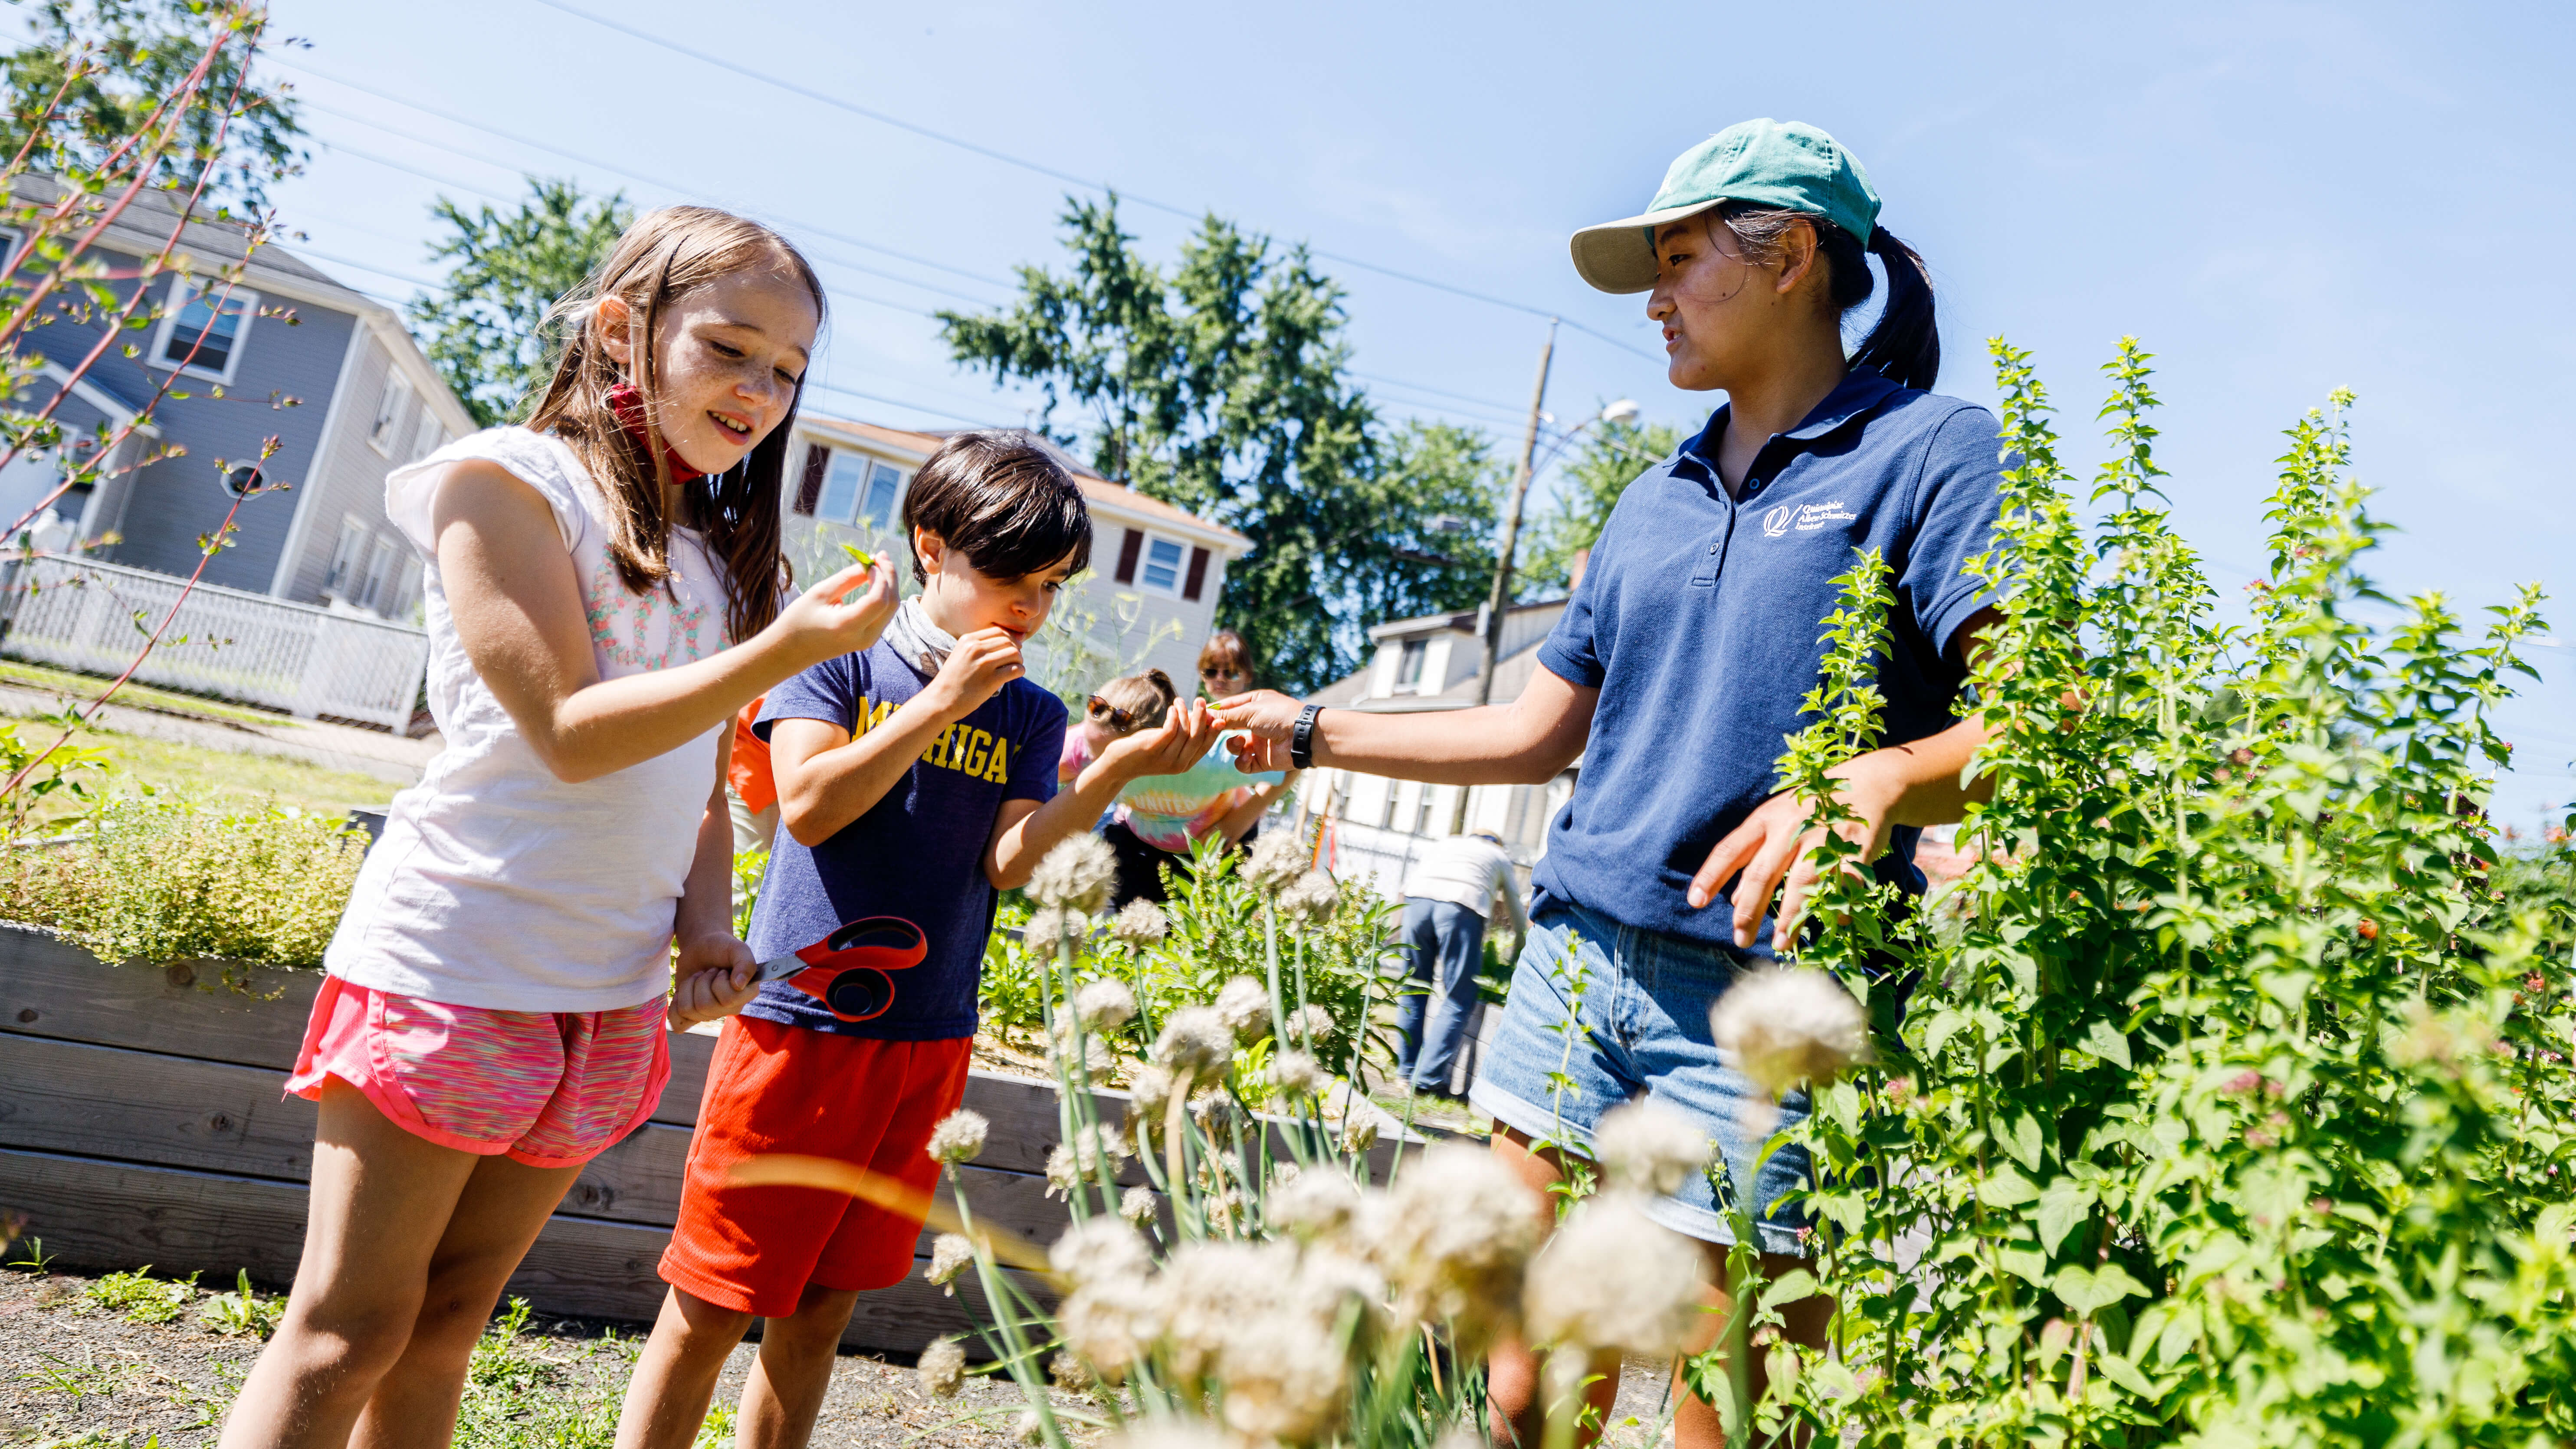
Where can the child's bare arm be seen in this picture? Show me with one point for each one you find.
(713, 975)
(1025, 830)
(826, 779)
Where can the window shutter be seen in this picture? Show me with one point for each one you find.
(1197, 579)
(810, 487)
(1128, 549)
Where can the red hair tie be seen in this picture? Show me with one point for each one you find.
(628, 403)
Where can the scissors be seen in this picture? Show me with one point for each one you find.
(847, 970)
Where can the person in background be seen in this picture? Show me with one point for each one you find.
(751, 792)
(1448, 901)
(1157, 821)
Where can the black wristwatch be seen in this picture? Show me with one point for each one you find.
(1301, 740)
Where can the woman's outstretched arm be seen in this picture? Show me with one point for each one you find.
(1525, 742)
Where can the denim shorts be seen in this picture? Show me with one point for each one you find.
(1644, 1012)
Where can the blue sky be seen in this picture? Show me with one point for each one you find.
(2279, 199)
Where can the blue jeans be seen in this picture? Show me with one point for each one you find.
(1444, 946)
(1643, 1014)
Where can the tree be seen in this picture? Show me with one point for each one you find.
(1587, 489)
(1219, 387)
(485, 328)
(121, 59)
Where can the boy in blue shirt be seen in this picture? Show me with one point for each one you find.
(915, 779)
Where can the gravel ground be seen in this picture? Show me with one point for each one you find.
(75, 1371)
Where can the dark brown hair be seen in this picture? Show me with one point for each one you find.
(1905, 344)
(1144, 698)
(1004, 499)
(666, 254)
(1226, 647)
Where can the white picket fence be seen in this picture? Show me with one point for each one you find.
(80, 614)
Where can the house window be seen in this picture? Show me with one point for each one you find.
(389, 414)
(841, 484)
(885, 492)
(426, 438)
(1408, 665)
(348, 559)
(380, 576)
(10, 236)
(203, 328)
(1161, 569)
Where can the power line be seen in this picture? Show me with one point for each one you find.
(592, 161)
(1023, 163)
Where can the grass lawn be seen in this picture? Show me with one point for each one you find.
(82, 687)
(167, 766)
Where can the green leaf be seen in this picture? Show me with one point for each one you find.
(2124, 1373)
(2087, 1290)
(2021, 1139)
(2007, 1187)
(1789, 1287)
(2028, 1264)
(2063, 1205)
(2108, 1042)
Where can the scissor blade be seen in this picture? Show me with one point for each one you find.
(779, 968)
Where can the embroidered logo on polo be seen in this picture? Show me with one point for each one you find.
(960, 747)
(1804, 517)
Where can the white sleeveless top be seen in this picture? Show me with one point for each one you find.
(495, 884)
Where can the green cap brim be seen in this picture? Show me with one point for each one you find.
(1619, 256)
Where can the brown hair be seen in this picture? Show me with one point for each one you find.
(1144, 698)
(1003, 498)
(1225, 647)
(666, 254)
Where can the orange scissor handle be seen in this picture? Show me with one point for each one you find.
(848, 970)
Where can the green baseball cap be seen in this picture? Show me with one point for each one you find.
(1772, 163)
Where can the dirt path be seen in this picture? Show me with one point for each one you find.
(78, 1369)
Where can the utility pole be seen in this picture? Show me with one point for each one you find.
(1500, 600)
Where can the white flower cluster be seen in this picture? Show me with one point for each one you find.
(1196, 1042)
(1095, 1155)
(1297, 1074)
(943, 1368)
(1244, 1005)
(1645, 1148)
(1140, 923)
(1076, 875)
(1104, 1004)
(1310, 898)
(1613, 1278)
(1276, 859)
(1783, 1025)
(959, 1137)
(950, 1253)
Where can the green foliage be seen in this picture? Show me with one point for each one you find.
(141, 1297)
(1587, 488)
(122, 59)
(519, 1391)
(167, 878)
(243, 1311)
(484, 327)
(73, 772)
(2233, 1106)
(1219, 386)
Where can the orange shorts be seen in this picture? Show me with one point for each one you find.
(774, 1088)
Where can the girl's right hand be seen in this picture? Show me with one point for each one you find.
(843, 614)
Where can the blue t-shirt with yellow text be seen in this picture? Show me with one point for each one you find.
(918, 853)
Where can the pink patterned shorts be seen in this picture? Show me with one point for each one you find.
(547, 1088)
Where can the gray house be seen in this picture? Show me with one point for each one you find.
(332, 374)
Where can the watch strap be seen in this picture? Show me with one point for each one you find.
(1301, 739)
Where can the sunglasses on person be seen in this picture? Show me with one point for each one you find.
(1121, 720)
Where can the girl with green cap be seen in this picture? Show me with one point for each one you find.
(1682, 660)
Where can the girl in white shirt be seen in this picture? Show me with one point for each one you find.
(604, 590)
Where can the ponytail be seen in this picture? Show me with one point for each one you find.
(1905, 346)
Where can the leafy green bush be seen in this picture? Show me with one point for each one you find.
(164, 878)
(2233, 1105)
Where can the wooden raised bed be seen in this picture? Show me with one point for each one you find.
(142, 1121)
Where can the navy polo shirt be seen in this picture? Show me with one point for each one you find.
(1698, 618)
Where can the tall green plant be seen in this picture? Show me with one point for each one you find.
(2217, 1117)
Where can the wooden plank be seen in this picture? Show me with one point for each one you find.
(95, 1214)
(51, 988)
(163, 1111)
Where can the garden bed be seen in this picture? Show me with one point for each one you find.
(141, 1121)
